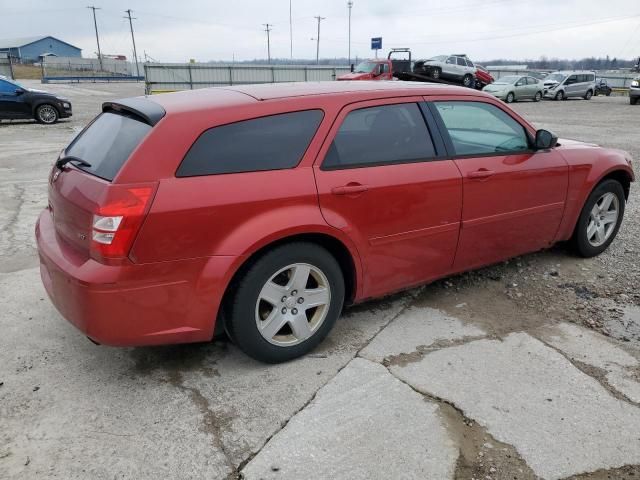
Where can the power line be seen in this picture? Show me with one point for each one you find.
(268, 29)
(133, 39)
(95, 24)
(319, 18)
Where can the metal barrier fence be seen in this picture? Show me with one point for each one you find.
(162, 77)
(5, 66)
(74, 69)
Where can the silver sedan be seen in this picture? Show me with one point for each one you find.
(516, 87)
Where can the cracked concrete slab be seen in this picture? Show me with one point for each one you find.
(363, 424)
(418, 328)
(621, 370)
(176, 412)
(561, 421)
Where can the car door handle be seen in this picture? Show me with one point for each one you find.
(482, 173)
(349, 189)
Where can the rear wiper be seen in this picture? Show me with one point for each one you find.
(61, 162)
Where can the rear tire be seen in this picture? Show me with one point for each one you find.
(47, 114)
(586, 238)
(467, 80)
(272, 316)
(588, 95)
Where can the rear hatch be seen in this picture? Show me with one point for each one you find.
(89, 211)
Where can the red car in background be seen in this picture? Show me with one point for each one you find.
(483, 77)
(263, 209)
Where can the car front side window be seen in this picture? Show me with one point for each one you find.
(7, 88)
(477, 128)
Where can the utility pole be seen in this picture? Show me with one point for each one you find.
(290, 30)
(133, 39)
(319, 18)
(95, 24)
(350, 5)
(268, 29)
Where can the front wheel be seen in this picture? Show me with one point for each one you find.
(286, 303)
(600, 219)
(510, 97)
(633, 100)
(47, 114)
(436, 73)
(559, 95)
(538, 97)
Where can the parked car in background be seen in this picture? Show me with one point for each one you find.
(370, 70)
(483, 77)
(573, 84)
(167, 219)
(457, 68)
(516, 87)
(602, 87)
(634, 91)
(19, 102)
(538, 75)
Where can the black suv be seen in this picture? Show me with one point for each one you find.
(602, 88)
(18, 102)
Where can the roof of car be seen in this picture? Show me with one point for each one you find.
(217, 97)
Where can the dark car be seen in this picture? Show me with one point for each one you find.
(634, 91)
(18, 102)
(602, 88)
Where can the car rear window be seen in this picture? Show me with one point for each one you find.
(108, 142)
(274, 142)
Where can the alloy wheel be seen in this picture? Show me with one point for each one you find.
(47, 114)
(293, 304)
(603, 219)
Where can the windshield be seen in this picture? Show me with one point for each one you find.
(439, 58)
(508, 79)
(365, 67)
(13, 82)
(556, 77)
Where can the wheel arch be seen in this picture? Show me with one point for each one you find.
(346, 256)
(43, 101)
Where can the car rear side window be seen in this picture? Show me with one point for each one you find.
(380, 135)
(477, 128)
(267, 143)
(108, 142)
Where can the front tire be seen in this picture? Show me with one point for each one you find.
(510, 98)
(633, 100)
(600, 219)
(537, 97)
(588, 95)
(436, 73)
(286, 303)
(559, 95)
(47, 114)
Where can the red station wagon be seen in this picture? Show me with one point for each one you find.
(263, 209)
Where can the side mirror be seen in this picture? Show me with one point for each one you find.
(545, 140)
(19, 91)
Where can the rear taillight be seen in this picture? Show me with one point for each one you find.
(117, 221)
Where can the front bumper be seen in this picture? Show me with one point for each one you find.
(634, 92)
(132, 304)
(65, 112)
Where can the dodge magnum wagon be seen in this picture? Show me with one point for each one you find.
(261, 210)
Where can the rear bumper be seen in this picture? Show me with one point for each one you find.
(132, 304)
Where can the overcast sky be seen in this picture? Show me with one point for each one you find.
(178, 30)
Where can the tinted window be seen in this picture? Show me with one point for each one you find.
(590, 78)
(479, 128)
(108, 142)
(6, 87)
(461, 61)
(451, 60)
(379, 135)
(267, 143)
(470, 63)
